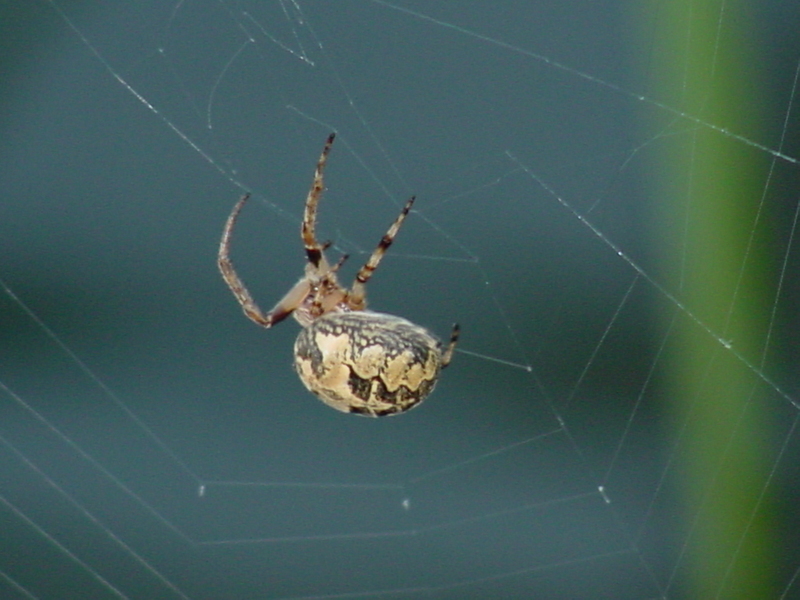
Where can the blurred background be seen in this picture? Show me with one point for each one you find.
(607, 197)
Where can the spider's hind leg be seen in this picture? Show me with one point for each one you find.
(447, 356)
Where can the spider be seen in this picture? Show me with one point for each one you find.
(353, 359)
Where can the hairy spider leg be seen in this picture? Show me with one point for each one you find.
(451, 347)
(249, 306)
(285, 306)
(314, 250)
(357, 295)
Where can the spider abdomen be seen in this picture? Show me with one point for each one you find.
(367, 363)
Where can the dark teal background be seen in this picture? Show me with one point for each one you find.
(157, 444)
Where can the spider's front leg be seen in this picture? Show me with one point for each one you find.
(314, 250)
(283, 309)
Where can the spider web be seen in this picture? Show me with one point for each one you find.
(607, 203)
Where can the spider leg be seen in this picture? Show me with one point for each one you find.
(249, 306)
(448, 354)
(336, 267)
(308, 229)
(357, 295)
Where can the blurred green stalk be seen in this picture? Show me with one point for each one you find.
(709, 187)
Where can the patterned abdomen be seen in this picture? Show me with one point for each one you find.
(367, 363)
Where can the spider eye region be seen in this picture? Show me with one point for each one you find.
(367, 363)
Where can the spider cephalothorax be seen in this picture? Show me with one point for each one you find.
(353, 359)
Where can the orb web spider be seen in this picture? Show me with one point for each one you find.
(353, 359)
